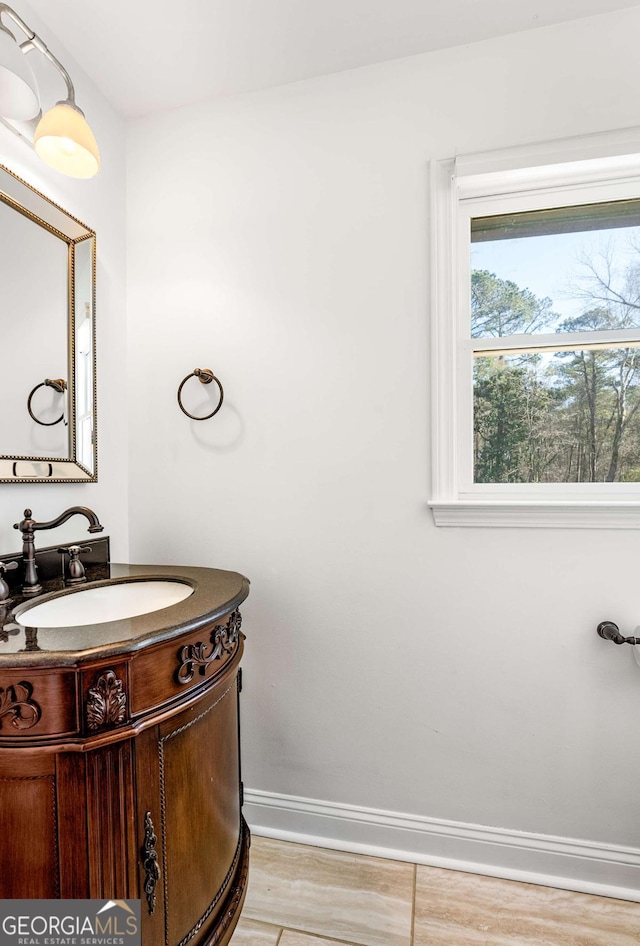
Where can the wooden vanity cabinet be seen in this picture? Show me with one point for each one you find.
(138, 793)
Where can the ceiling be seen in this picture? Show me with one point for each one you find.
(150, 55)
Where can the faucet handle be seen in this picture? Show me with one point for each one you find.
(5, 591)
(76, 568)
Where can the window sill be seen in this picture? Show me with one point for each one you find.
(536, 515)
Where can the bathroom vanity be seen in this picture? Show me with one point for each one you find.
(119, 754)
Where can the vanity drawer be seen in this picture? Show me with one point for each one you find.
(37, 703)
(163, 673)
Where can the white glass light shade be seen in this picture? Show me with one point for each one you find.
(18, 89)
(64, 140)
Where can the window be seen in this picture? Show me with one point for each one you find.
(536, 336)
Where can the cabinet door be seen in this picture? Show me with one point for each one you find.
(188, 786)
(28, 829)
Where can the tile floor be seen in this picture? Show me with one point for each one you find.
(307, 896)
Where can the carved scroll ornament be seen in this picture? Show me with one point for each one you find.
(106, 702)
(224, 639)
(17, 705)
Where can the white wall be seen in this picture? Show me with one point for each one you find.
(100, 203)
(281, 239)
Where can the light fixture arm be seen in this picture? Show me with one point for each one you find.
(33, 41)
(61, 136)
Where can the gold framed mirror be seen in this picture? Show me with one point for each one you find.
(48, 432)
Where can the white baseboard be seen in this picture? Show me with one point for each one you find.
(569, 864)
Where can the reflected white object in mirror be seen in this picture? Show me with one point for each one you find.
(47, 331)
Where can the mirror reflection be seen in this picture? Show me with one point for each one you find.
(47, 354)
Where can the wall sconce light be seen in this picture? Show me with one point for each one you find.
(61, 137)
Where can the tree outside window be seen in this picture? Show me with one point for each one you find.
(566, 416)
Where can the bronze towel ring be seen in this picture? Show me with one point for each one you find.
(58, 385)
(204, 376)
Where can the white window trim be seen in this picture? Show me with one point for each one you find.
(454, 502)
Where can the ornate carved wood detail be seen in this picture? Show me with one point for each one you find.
(106, 702)
(17, 705)
(224, 639)
(150, 863)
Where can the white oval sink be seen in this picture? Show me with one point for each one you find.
(106, 603)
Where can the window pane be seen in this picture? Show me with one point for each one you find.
(567, 417)
(568, 269)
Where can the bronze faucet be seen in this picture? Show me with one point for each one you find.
(28, 526)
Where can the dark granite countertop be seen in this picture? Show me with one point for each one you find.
(215, 593)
